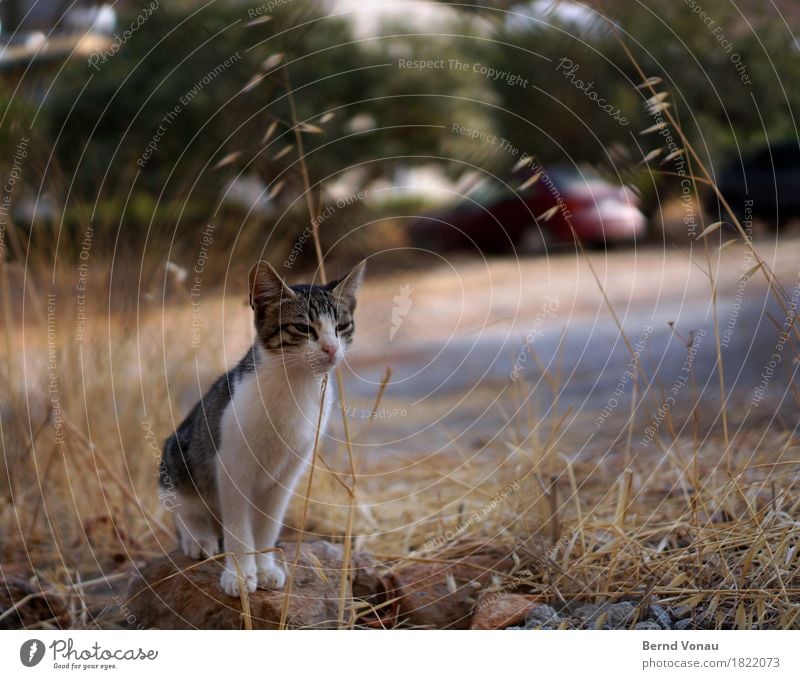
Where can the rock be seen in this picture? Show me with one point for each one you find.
(647, 624)
(30, 606)
(679, 612)
(619, 614)
(443, 595)
(683, 624)
(660, 614)
(607, 616)
(175, 592)
(428, 600)
(498, 610)
(543, 616)
(587, 611)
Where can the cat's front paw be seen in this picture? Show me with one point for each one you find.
(199, 548)
(270, 576)
(230, 581)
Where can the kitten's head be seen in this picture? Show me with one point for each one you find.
(308, 325)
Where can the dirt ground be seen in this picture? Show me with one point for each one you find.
(469, 342)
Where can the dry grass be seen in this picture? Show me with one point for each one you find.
(672, 527)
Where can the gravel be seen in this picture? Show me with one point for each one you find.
(618, 615)
(661, 615)
(647, 624)
(541, 617)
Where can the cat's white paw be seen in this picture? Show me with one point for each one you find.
(198, 548)
(229, 582)
(270, 576)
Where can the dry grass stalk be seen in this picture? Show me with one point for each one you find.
(314, 218)
(306, 500)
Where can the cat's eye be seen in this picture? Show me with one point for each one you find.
(344, 327)
(305, 329)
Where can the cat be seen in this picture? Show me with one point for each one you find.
(233, 463)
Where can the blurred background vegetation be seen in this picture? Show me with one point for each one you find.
(368, 123)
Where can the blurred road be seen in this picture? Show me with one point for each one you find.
(468, 342)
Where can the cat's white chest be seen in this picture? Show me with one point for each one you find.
(271, 421)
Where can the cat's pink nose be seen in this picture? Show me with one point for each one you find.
(329, 348)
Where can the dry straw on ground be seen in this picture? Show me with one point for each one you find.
(674, 528)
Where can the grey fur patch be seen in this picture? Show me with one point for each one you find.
(188, 461)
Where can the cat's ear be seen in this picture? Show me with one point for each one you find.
(266, 286)
(346, 289)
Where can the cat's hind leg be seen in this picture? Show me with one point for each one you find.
(198, 531)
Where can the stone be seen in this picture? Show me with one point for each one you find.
(498, 610)
(542, 616)
(679, 612)
(587, 611)
(619, 614)
(434, 595)
(648, 625)
(175, 592)
(660, 614)
(23, 605)
(614, 616)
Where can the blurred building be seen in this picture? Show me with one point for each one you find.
(65, 16)
(36, 37)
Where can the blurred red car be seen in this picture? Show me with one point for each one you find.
(493, 217)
